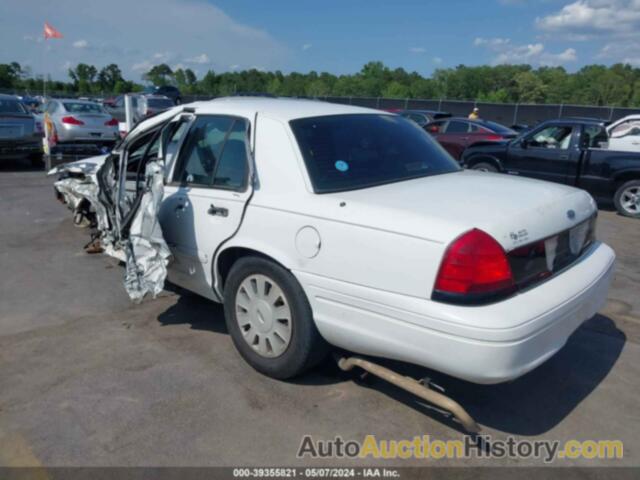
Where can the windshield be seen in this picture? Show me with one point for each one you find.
(159, 102)
(9, 105)
(81, 107)
(347, 152)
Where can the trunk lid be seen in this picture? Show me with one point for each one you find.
(16, 126)
(514, 210)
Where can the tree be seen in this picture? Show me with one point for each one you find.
(109, 76)
(10, 74)
(530, 88)
(83, 76)
(159, 75)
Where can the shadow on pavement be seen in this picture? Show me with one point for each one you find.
(20, 165)
(530, 405)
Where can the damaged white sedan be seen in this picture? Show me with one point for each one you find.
(319, 224)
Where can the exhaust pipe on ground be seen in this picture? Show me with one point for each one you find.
(411, 385)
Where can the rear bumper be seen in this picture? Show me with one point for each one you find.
(19, 149)
(483, 344)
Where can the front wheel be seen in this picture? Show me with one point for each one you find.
(627, 199)
(270, 320)
(484, 167)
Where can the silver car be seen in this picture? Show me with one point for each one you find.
(80, 121)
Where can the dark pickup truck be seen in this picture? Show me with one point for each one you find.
(19, 137)
(569, 151)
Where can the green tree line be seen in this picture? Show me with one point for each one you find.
(616, 85)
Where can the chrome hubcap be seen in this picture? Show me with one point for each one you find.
(630, 200)
(263, 315)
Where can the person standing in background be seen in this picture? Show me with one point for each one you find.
(475, 114)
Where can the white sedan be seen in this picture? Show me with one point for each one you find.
(319, 224)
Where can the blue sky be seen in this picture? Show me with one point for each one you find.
(327, 35)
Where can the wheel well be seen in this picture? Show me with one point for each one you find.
(625, 177)
(475, 160)
(228, 257)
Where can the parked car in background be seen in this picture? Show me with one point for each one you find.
(19, 135)
(423, 117)
(455, 134)
(624, 135)
(318, 223)
(79, 121)
(143, 106)
(570, 151)
(167, 91)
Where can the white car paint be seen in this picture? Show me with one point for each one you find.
(369, 268)
(624, 134)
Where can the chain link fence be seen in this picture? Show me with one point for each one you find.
(504, 113)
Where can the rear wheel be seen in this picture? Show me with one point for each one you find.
(270, 319)
(627, 199)
(484, 167)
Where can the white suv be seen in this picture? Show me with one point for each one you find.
(319, 224)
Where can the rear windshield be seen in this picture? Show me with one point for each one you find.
(9, 105)
(159, 102)
(79, 107)
(347, 152)
(497, 128)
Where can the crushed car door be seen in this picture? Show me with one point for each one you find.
(205, 200)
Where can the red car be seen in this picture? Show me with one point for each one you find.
(455, 134)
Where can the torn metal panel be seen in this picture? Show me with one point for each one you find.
(147, 254)
(135, 238)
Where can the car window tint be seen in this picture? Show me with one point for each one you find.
(199, 157)
(78, 107)
(631, 128)
(346, 152)
(11, 106)
(557, 137)
(457, 127)
(136, 151)
(595, 136)
(232, 167)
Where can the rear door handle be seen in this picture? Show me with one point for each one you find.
(221, 212)
(564, 157)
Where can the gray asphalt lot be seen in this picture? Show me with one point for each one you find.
(88, 378)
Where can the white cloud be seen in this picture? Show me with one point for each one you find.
(506, 52)
(196, 27)
(593, 17)
(436, 60)
(199, 59)
(307, 46)
(417, 50)
(615, 24)
(81, 44)
(234, 67)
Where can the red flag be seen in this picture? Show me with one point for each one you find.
(50, 32)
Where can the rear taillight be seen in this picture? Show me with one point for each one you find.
(72, 121)
(493, 138)
(474, 270)
(111, 123)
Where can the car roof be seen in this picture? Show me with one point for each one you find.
(283, 109)
(7, 96)
(74, 100)
(426, 112)
(580, 120)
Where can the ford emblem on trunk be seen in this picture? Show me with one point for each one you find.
(571, 214)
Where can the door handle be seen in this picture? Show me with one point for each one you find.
(464, 138)
(222, 212)
(179, 207)
(564, 157)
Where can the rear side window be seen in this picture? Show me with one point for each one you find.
(159, 103)
(457, 127)
(347, 152)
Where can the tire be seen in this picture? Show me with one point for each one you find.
(484, 167)
(248, 319)
(627, 199)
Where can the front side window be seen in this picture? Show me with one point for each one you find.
(556, 137)
(347, 152)
(214, 153)
(595, 136)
